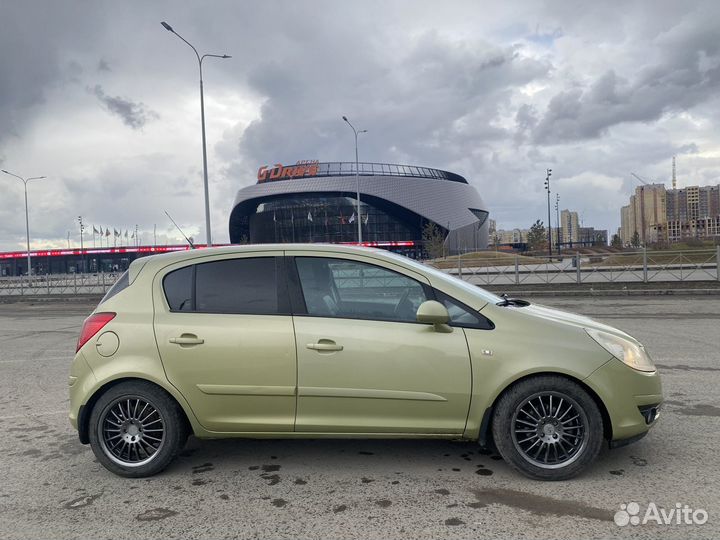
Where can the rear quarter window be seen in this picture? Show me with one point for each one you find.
(178, 289)
(121, 284)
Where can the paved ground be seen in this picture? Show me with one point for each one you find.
(53, 488)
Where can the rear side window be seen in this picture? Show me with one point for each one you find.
(237, 286)
(246, 286)
(121, 284)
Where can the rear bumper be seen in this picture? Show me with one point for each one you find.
(81, 381)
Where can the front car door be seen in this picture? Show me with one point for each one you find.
(364, 364)
(225, 335)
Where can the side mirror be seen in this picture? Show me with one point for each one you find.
(432, 312)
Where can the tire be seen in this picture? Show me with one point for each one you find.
(548, 428)
(136, 429)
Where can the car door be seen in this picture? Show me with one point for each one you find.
(364, 364)
(225, 336)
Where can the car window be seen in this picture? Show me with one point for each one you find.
(237, 286)
(485, 296)
(178, 289)
(462, 315)
(356, 290)
(244, 285)
(121, 284)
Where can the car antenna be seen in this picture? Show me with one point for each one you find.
(192, 246)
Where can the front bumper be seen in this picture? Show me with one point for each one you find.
(632, 399)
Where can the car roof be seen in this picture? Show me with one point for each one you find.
(164, 259)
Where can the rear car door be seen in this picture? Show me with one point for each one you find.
(364, 364)
(225, 335)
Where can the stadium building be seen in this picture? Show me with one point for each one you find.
(316, 202)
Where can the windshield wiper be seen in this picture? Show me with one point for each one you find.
(507, 301)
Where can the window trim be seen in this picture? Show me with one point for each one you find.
(297, 296)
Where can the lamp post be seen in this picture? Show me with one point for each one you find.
(27, 218)
(357, 176)
(547, 187)
(202, 120)
(82, 246)
(557, 220)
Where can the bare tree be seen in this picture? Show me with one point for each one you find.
(433, 241)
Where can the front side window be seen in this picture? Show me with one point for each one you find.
(246, 285)
(355, 290)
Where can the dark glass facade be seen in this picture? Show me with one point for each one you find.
(328, 218)
(331, 219)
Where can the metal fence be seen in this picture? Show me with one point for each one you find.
(626, 267)
(500, 269)
(57, 284)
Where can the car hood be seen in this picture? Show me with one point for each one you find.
(572, 319)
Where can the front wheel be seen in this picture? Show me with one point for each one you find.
(136, 429)
(548, 428)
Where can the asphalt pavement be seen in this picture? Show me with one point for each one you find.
(52, 487)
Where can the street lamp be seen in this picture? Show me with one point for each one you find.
(547, 187)
(557, 220)
(27, 219)
(357, 176)
(202, 119)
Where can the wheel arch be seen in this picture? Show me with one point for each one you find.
(85, 411)
(486, 439)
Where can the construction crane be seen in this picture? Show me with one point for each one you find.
(640, 179)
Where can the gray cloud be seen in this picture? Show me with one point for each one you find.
(497, 92)
(686, 74)
(133, 114)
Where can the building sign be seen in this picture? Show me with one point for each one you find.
(280, 172)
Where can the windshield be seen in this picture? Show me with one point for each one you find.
(473, 289)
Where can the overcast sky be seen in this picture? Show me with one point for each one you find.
(99, 98)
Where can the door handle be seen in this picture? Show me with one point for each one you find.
(325, 345)
(187, 339)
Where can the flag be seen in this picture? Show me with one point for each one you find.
(95, 231)
(274, 217)
(352, 218)
(133, 235)
(309, 216)
(126, 234)
(367, 217)
(115, 232)
(107, 231)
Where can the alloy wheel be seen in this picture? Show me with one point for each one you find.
(549, 429)
(132, 431)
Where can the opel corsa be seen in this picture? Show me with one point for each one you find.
(328, 341)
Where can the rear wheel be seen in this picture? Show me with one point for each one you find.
(548, 428)
(136, 429)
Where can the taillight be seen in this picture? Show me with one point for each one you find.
(92, 325)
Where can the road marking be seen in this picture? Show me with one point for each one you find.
(30, 415)
(66, 357)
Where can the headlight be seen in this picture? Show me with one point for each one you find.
(628, 352)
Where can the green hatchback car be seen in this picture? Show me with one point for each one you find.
(284, 341)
